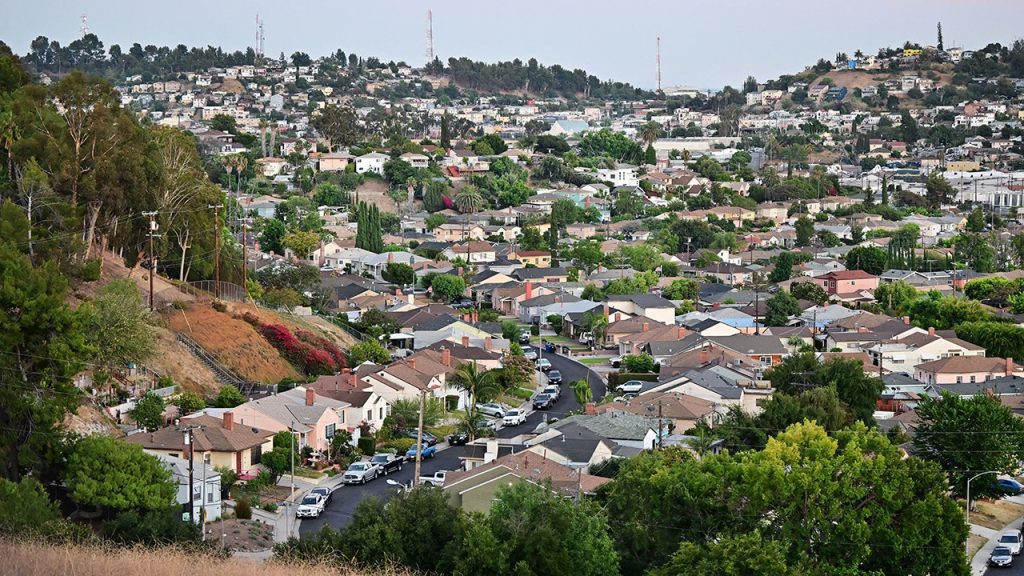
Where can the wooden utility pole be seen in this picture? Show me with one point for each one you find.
(153, 227)
(245, 259)
(216, 248)
(419, 439)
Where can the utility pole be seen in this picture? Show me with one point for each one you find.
(245, 258)
(153, 227)
(419, 439)
(191, 482)
(216, 248)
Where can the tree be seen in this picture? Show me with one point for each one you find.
(116, 325)
(542, 532)
(434, 220)
(25, 507)
(870, 259)
(115, 475)
(938, 190)
(783, 269)
(398, 273)
(369, 350)
(977, 251)
(468, 200)
(189, 402)
(968, 435)
(149, 412)
(1000, 339)
(406, 412)
(809, 291)
(581, 390)
(587, 254)
(338, 125)
(682, 289)
(649, 132)
(301, 243)
(804, 231)
(747, 554)
(976, 221)
(447, 287)
(228, 397)
(433, 197)
(780, 308)
(945, 312)
(272, 235)
(855, 388)
(895, 297)
(477, 385)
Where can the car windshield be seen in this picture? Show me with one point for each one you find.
(541, 397)
(1001, 551)
(309, 500)
(1008, 539)
(512, 413)
(357, 467)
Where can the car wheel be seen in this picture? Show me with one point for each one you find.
(399, 467)
(363, 480)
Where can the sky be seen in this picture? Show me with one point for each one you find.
(704, 43)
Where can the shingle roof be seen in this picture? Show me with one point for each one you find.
(210, 436)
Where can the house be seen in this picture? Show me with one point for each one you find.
(335, 161)
(846, 283)
(961, 369)
(620, 175)
(205, 486)
(767, 351)
(680, 411)
(623, 429)
(371, 162)
(219, 441)
(456, 232)
(904, 354)
(415, 160)
(568, 127)
(271, 167)
(313, 419)
(650, 305)
(363, 403)
(474, 251)
(538, 258)
(475, 490)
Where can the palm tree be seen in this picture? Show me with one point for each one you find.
(581, 390)
(241, 163)
(685, 155)
(649, 132)
(410, 184)
(478, 385)
(229, 166)
(469, 199)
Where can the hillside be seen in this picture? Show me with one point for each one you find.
(31, 559)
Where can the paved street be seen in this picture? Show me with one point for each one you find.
(347, 498)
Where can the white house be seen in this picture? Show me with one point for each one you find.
(205, 486)
(372, 162)
(621, 175)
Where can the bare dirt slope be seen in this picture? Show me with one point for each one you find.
(174, 360)
(375, 191)
(89, 419)
(234, 342)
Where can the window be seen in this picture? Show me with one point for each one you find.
(381, 412)
(341, 416)
(765, 360)
(959, 379)
(974, 379)
(209, 496)
(329, 431)
(369, 415)
(256, 454)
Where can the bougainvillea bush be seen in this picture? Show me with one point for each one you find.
(314, 354)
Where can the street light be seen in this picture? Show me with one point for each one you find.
(967, 514)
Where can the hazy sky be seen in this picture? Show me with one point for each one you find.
(705, 43)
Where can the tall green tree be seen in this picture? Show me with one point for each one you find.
(148, 412)
(780, 308)
(113, 475)
(804, 231)
(783, 269)
(117, 325)
(855, 388)
(870, 259)
(338, 125)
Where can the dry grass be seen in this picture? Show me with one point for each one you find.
(974, 543)
(995, 514)
(32, 559)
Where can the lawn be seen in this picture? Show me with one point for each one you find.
(995, 514)
(592, 361)
(974, 543)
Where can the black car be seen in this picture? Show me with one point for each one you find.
(428, 438)
(542, 402)
(554, 377)
(458, 439)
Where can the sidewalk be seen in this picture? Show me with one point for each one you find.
(979, 563)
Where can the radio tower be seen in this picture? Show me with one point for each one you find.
(258, 48)
(85, 25)
(657, 74)
(430, 36)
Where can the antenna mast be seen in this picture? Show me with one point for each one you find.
(258, 48)
(85, 25)
(658, 69)
(430, 36)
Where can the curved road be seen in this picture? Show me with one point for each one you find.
(345, 499)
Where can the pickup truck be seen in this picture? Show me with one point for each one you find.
(360, 473)
(312, 506)
(387, 462)
(436, 479)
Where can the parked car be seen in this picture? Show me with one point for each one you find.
(514, 417)
(544, 364)
(428, 438)
(1011, 539)
(630, 386)
(529, 353)
(387, 462)
(323, 491)
(491, 409)
(1001, 557)
(554, 377)
(360, 473)
(435, 479)
(427, 452)
(524, 337)
(542, 402)
(458, 439)
(587, 338)
(615, 361)
(487, 427)
(554, 391)
(1010, 486)
(311, 506)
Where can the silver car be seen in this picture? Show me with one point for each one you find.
(360, 473)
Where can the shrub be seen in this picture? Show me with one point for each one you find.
(399, 445)
(367, 445)
(243, 509)
(522, 393)
(220, 306)
(90, 270)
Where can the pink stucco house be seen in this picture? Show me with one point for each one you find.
(847, 282)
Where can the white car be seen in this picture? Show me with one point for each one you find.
(630, 387)
(360, 473)
(544, 364)
(311, 506)
(514, 417)
(491, 409)
(1011, 539)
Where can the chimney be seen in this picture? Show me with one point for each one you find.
(1009, 366)
(605, 309)
(931, 330)
(647, 326)
(529, 289)
(398, 292)
(391, 257)
(476, 316)
(446, 357)
(412, 363)
(681, 333)
(467, 317)
(353, 380)
(906, 320)
(310, 396)
(705, 356)
(465, 341)
(487, 343)
(229, 421)
(590, 409)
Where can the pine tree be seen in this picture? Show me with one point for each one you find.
(939, 45)
(446, 136)
(885, 190)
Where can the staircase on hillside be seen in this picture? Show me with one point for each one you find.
(224, 374)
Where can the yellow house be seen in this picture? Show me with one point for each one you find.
(539, 258)
(909, 52)
(216, 441)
